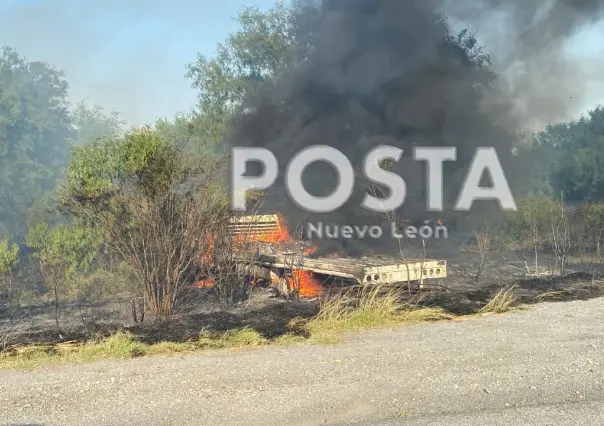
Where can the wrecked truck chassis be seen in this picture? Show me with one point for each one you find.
(422, 274)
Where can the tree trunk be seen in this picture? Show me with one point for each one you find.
(56, 297)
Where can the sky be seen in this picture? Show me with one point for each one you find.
(125, 55)
(130, 56)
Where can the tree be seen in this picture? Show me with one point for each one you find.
(92, 123)
(265, 44)
(153, 204)
(576, 156)
(61, 252)
(194, 133)
(35, 129)
(9, 257)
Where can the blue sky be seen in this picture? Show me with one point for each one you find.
(130, 55)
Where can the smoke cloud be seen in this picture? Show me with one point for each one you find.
(392, 72)
(539, 81)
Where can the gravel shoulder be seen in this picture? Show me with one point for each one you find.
(536, 365)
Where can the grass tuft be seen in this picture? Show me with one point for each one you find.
(373, 307)
(122, 345)
(238, 338)
(503, 301)
(550, 295)
(118, 346)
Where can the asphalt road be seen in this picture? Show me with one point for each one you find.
(535, 367)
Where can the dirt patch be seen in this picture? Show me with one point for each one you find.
(576, 286)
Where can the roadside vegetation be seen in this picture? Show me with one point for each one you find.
(374, 307)
(92, 211)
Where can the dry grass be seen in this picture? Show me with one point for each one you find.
(374, 307)
(585, 259)
(503, 301)
(550, 295)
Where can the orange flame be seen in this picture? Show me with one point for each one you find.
(303, 280)
(206, 283)
(308, 285)
(309, 250)
(279, 236)
(207, 252)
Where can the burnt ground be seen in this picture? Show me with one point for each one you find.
(270, 315)
(583, 279)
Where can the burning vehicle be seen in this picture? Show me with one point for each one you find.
(266, 254)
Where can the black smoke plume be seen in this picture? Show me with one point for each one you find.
(539, 82)
(392, 72)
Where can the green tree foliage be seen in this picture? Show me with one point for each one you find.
(62, 252)
(98, 171)
(93, 122)
(265, 44)
(532, 220)
(9, 257)
(191, 131)
(574, 155)
(35, 129)
(153, 204)
(67, 248)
